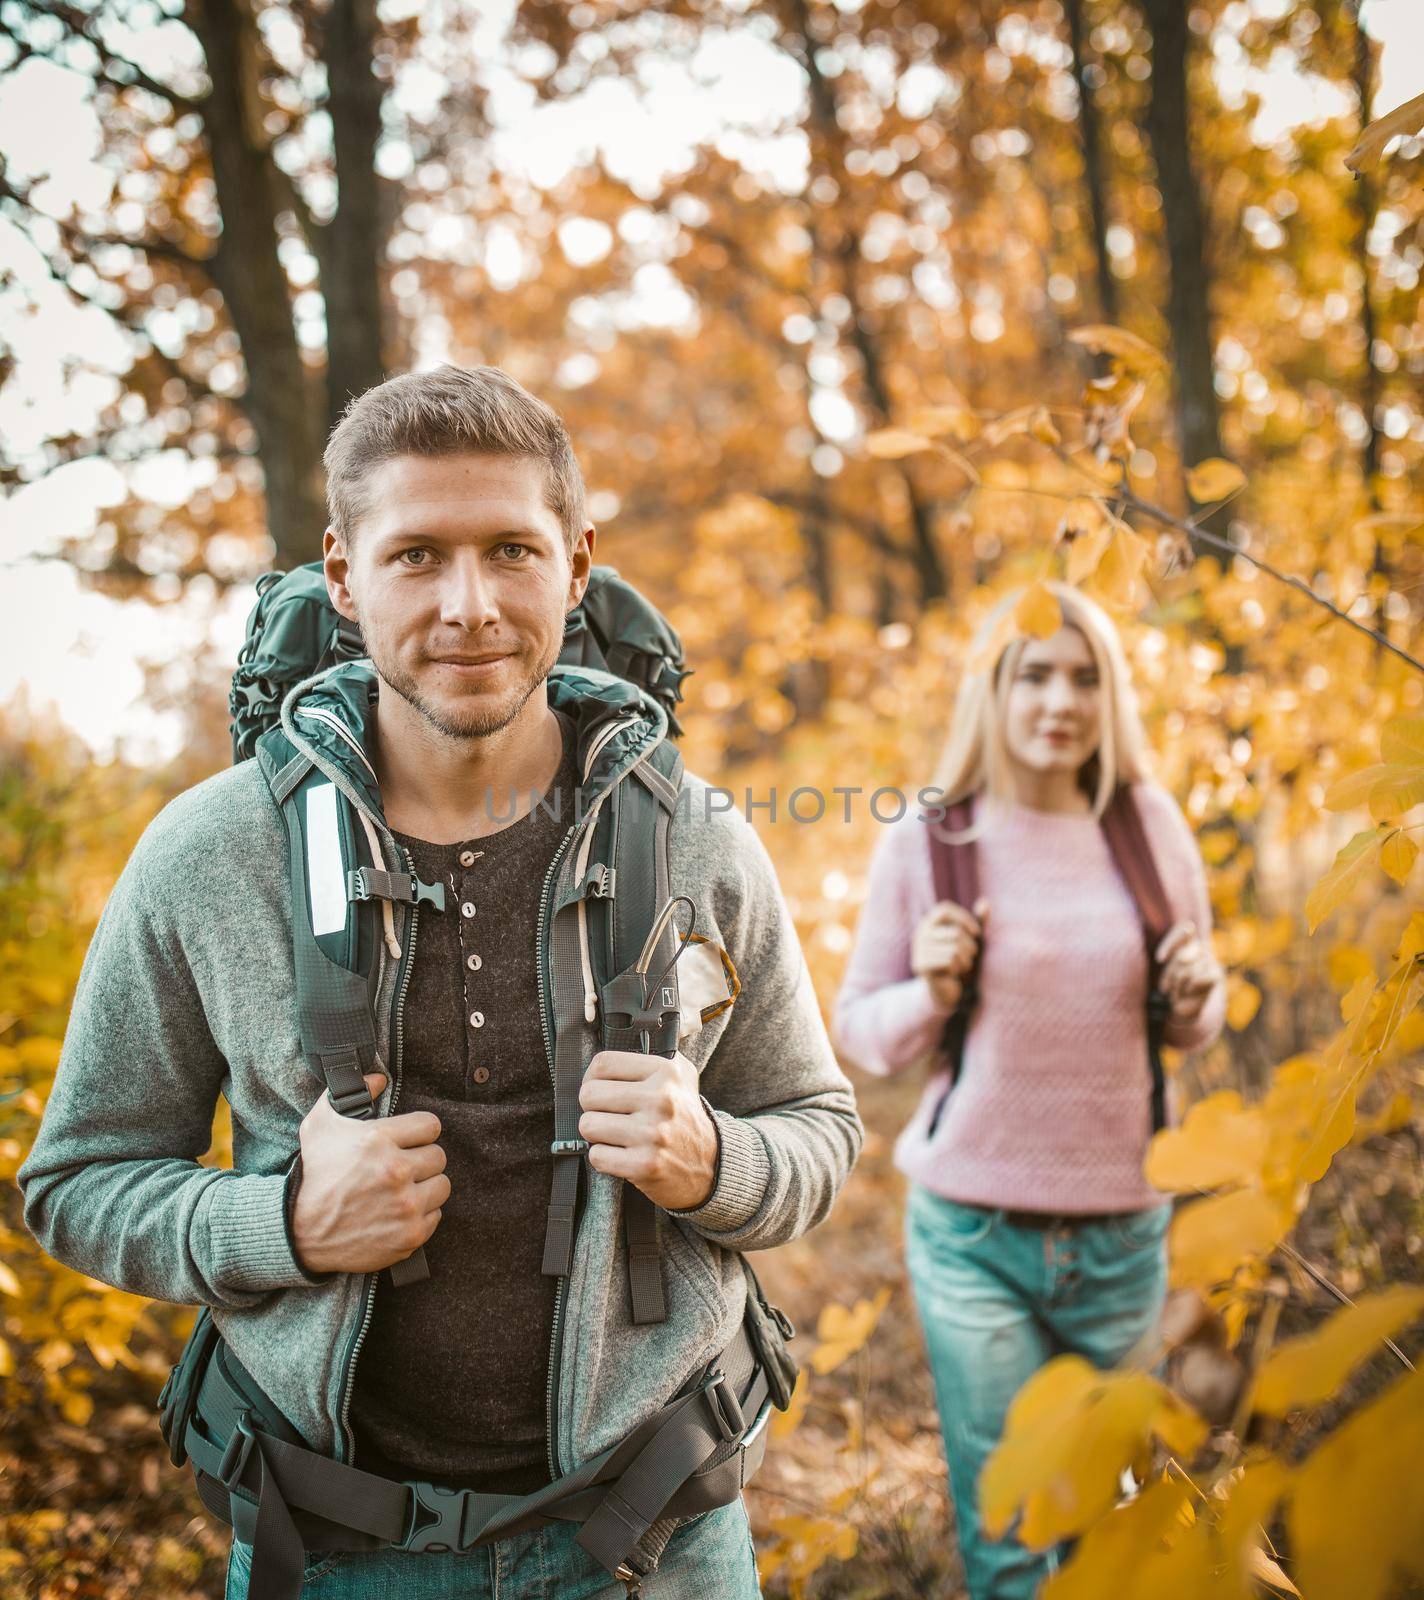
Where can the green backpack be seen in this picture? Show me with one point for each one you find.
(295, 632)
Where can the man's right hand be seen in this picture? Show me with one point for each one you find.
(371, 1189)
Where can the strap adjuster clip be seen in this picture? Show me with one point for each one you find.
(725, 1407)
(568, 1147)
(236, 1454)
(442, 1531)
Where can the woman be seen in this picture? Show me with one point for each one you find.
(1030, 1228)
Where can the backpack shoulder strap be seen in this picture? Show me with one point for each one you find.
(643, 809)
(625, 898)
(333, 938)
(1132, 856)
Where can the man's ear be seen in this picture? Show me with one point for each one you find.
(336, 566)
(580, 565)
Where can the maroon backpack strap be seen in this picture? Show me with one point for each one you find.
(1132, 855)
(956, 866)
(956, 878)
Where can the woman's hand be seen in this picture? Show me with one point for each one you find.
(945, 947)
(1189, 970)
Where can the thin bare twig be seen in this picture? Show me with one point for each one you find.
(1194, 531)
(1344, 1299)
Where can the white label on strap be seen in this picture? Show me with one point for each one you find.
(326, 871)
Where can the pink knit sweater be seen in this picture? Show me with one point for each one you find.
(1052, 1109)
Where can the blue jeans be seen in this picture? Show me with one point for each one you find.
(710, 1558)
(996, 1302)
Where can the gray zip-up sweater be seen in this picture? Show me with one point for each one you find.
(187, 992)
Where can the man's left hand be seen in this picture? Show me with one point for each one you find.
(644, 1121)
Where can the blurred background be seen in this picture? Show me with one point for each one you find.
(804, 279)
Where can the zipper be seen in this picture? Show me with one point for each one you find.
(556, 1333)
(368, 1303)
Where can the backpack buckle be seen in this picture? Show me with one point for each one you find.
(238, 1451)
(443, 1526)
(725, 1408)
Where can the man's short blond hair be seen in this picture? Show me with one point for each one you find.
(449, 411)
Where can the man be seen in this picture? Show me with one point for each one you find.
(458, 542)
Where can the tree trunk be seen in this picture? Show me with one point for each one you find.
(351, 278)
(1363, 199)
(1090, 131)
(282, 401)
(1188, 310)
(844, 254)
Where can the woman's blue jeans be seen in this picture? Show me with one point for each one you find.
(996, 1302)
(710, 1558)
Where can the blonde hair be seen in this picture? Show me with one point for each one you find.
(975, 755)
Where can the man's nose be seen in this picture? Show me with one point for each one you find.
(467, 598)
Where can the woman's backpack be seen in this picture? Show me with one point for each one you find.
(956, 878)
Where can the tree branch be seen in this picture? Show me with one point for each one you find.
(1195, 531)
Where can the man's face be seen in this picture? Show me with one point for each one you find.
(460, 579)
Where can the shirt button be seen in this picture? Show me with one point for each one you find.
(480, 1074)
(468, 909)
(477, 1019)
(474, 963)
(467, 858)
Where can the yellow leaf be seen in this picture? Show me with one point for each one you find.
(1211, 1238)
(9, 1283)
(1308, 1370)
(1070, 1433)
(7, 1360)
(1398, 855)
(1269, 1572)
(1407, 120)
(1214, 479)
(1242, 1004)
(1086, 552)
(1350, 864)
(842, 1331)
(1353, 1002)
(1411, 941)
(893, 444)
(1135, 354)
(1043, 428)
(1356, 1516)
(1009, 425)
(1354, 788)
(1402, 740)
(1399, 788)
(1037, 612)
(76, 1407)
(958, 421)
(1219, 1142)
(1122, 561)
(1128, 1552)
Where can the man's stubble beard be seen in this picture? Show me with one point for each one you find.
(478, 723)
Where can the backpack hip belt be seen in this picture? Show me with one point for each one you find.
(253, 1470)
